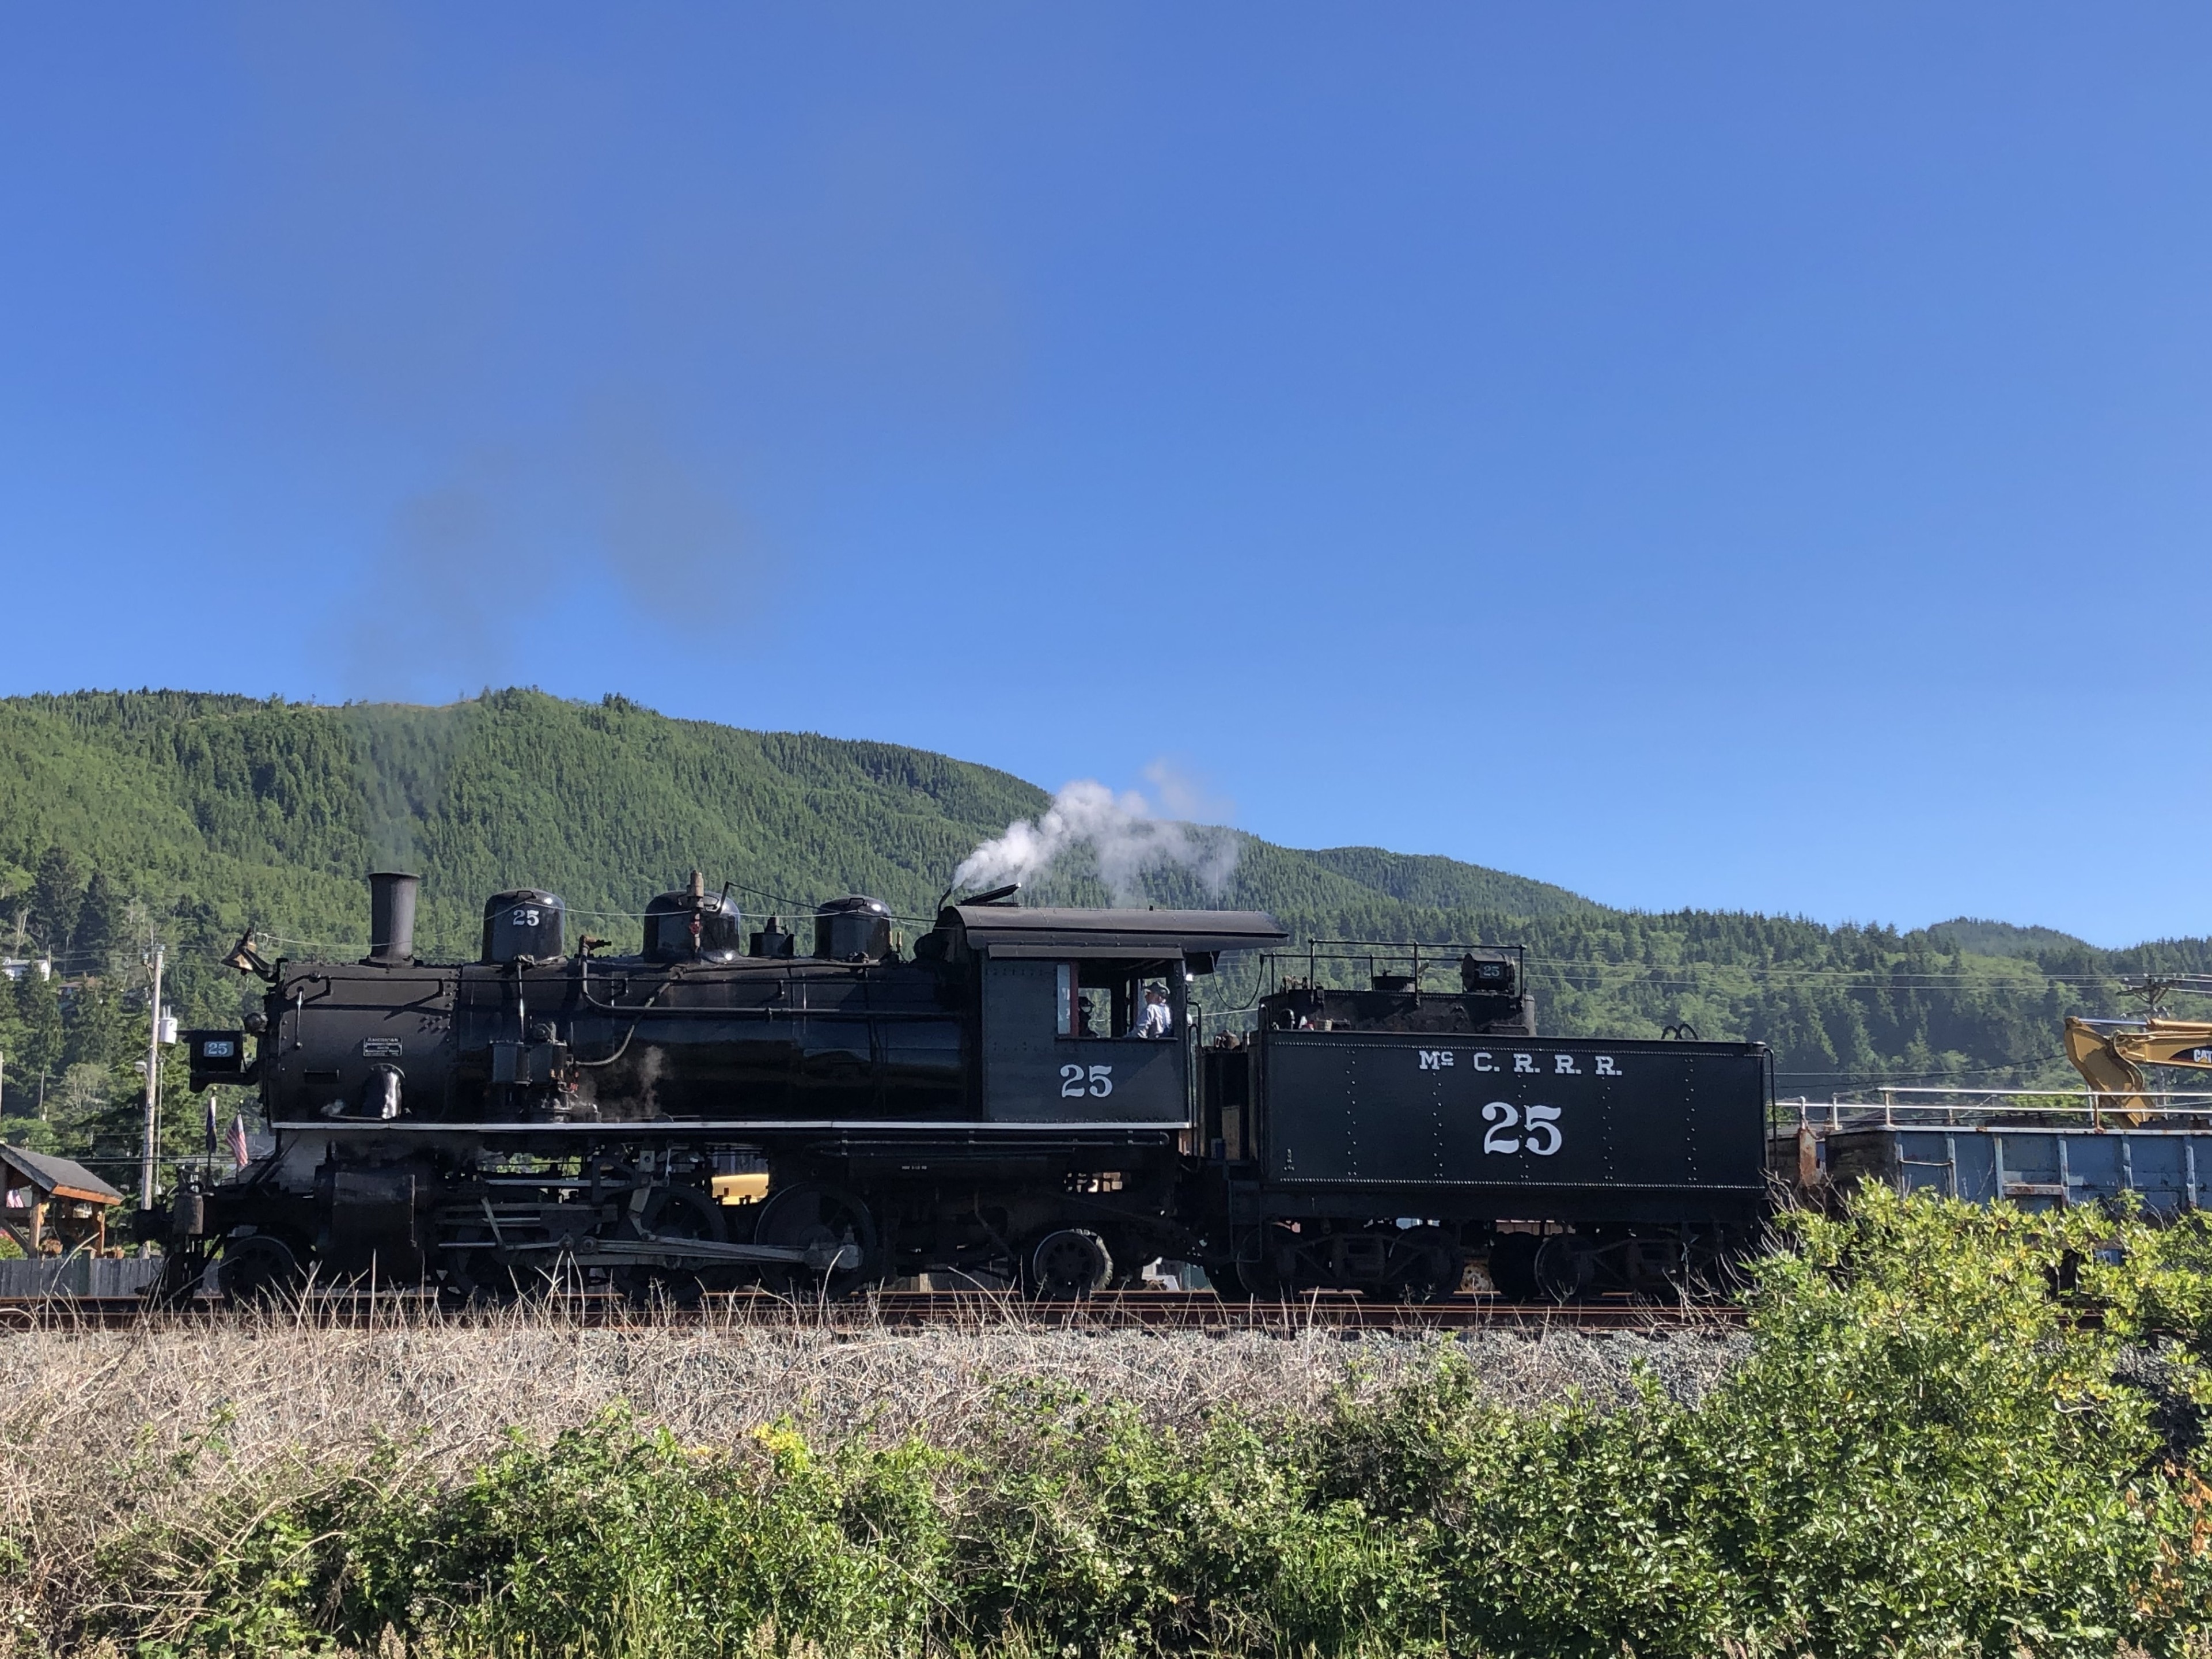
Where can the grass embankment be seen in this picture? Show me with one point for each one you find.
(1922, 1446)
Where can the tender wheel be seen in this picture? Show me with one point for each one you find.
(1068, 1266)
(1716, 1269)
(671, 1212)
(1432, 1265)
(1268, 1265)
(1513, 1266)
(827, 1216)
(1565, 1266)
(259, 1268)
(1222, 1276)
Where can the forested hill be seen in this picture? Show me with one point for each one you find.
(193, 816)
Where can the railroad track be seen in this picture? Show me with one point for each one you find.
(1169, 1310)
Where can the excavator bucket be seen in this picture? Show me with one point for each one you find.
(2116, 1080)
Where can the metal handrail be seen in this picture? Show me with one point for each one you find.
(1422, 957)
(1948, 1108)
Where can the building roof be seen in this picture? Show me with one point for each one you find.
(60, 1177)
(1009, 930)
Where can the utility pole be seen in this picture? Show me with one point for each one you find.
(153, 1094)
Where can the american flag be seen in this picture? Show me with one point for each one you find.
(238, 1148)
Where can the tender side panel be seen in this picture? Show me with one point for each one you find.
(1512, 1113)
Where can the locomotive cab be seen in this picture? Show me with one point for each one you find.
(1063, 995)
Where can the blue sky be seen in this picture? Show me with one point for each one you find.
(1729, 455)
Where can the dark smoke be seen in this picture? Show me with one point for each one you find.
(423, 623)
(668, 537)
(404, 758)
(575, 313)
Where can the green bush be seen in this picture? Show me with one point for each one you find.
(1932, 1447)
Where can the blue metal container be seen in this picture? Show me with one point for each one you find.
(2035, 1167)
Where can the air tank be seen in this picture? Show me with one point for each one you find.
(852, 929)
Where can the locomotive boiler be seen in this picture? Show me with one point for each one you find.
(723, 1106)
(738, 1104)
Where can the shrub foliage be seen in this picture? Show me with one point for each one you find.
(1957, 1431)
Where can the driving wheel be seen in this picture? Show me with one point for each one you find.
(675, 1213)
(816, 1215)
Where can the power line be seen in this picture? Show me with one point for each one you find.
(1900, 1077)
(1869, 977)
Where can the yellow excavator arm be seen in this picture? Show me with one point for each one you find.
(2111, 1054)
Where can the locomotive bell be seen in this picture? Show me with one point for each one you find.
(525, 922)
(854, 929)
(772, 940)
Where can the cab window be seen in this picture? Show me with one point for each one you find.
(1097, 1000)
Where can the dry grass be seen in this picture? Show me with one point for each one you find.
(104, 1429)
(75, 1393)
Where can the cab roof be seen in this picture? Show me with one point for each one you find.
(1014, 931)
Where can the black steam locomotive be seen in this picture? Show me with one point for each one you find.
(1026, 1095)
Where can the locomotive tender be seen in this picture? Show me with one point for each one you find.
(721, 1111)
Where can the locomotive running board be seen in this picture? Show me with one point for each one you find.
(891, 1126)
(821, 1258)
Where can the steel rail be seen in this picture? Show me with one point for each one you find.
(1198, 1312)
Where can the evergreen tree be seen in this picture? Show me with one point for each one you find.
(56, 896)
(100, 929)
(38, 1016)
(100, 1027)
(12, 1045)
(223, 812)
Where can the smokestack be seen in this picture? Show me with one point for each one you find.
(391, 917)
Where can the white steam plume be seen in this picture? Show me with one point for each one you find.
(1123, 834)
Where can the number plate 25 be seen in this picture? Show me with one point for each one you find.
(1078, 1082)
(1539, 1126)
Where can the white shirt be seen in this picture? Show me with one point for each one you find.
(1158, 1021)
